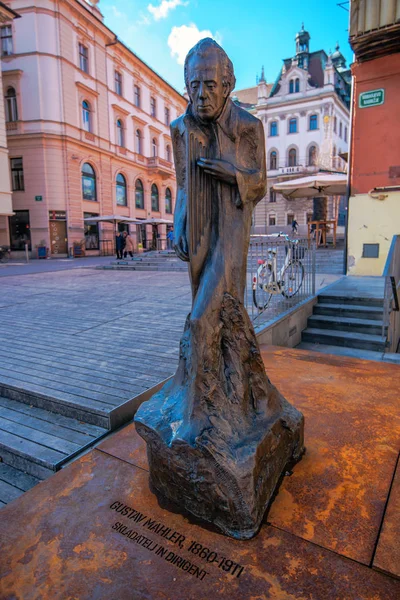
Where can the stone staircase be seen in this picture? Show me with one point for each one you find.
(348, 320)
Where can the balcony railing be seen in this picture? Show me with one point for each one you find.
(160, 165)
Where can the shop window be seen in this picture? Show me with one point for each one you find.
(11, 105)
(139, 194)
(91, 232)
(20, 233)
(17, 175)
(86, 120)
(155, 203)
(168, 201)
(84, 58)
(88, 183)
(122, 199)
(6, 40)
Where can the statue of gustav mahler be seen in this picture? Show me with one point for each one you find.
(219, 434)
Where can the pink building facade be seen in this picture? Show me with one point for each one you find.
(87, 125)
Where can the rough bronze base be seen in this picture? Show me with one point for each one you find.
(228, 482)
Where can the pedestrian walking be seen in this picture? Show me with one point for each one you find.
(170, 239)
(119, 244)
(294, 226)
(128, 247)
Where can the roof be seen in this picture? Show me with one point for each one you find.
(248, 97)
(10, 13)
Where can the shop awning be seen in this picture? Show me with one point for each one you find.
(320, 184)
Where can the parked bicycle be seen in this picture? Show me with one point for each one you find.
(4, 254)
(288, 281)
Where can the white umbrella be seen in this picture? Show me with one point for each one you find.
(320, 184)
(154, 222)
(115, 219)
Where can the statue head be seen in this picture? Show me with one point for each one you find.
(209, 79)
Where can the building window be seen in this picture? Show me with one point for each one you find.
(168, 153)
(168, 201)
(154, 148)
(120, 133)
(87, 126)
(91, 232)
(20, 232)
(292, 157)
(136, 94)
(309, 217)
(84, 58)
(155, 204)
(345, 134)
(312, 156)
(122, 199)
(334, 151)
(370, 251)
(340, 129)
(17, 175)
(297, 85)
(271, 220)
(118, 82)
(273, 128)
(272, 195)
(334, 124)
(292, 125)
(291, 86)
(289, 218)
(6, 40)
(167, 117)
(273, 160)
(153, 106)
(88, 183)
(313, 124)
(11, 105)
(139, 194)
(138, 142)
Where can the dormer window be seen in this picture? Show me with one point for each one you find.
(297, 85)
(291, 86)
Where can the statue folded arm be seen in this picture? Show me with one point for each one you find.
(252, 182)
(180, 214)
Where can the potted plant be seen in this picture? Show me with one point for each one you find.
(79, 248)
(41, 249)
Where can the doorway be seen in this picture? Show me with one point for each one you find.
(58, 233)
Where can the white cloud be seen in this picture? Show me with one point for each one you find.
(182, 39)
(161, 11)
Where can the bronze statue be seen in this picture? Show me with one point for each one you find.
(219, 434)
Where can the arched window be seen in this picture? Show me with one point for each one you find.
(121, 190)
(297, 85)
(293, 125)
(139, 194)
(313, 122)
(168, 153)
(291, 86)
(139, 142)
(273, 160)
(154, 147)
(11, 105)
(155, 204)
(88, 183)
(292, 157)
(136, 91)
(312, 156)
(120, 133)
(273, 128)
(168, 201)
(86, 121)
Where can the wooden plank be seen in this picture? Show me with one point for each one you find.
(34, 452)
(39, 437)
(17, 478)
(92, 430)
(8, 492)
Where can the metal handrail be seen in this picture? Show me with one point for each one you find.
(391, 304)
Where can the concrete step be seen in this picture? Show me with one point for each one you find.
(349, 339)
(341, 323)
(13, 483)
(349, 310)
(341, 351)
(342, 298)
(139, 267)
(38, 441)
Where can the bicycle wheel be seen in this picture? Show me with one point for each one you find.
(292, 278)
(261, 298)
(4, 258)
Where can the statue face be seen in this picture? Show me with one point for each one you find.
(206, 90)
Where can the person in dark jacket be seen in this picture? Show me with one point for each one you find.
(120, 244)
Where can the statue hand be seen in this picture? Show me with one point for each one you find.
(221, 169)
(181, 247)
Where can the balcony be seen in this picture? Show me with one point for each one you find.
(297, 170)
(12, 126)
(160, 166)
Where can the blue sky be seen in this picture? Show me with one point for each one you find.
(253, 34)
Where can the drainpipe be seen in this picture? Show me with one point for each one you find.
(348, 186)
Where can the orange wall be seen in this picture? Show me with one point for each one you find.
(375, 145)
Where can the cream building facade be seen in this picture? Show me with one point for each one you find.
(88, 130)
(6, 17)
(306, 121)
